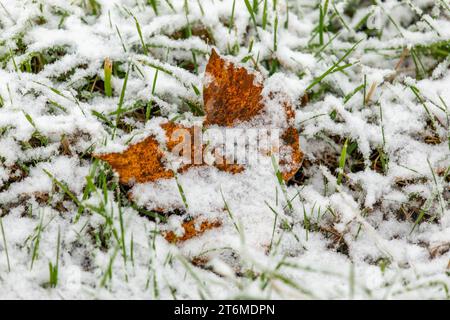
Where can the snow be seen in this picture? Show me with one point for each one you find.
(334, 230)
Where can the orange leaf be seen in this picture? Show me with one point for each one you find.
(231, 94)
(141, 162)
(190, 231)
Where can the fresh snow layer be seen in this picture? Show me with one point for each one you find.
(315, 239)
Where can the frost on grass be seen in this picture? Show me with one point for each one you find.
(366, 216)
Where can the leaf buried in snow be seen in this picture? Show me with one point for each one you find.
(190, 230)
(143, 162)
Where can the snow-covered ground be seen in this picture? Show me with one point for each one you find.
(367, 215)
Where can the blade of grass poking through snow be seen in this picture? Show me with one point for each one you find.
(121, 39)
(342, 162)
(150, 214)
(149, 104)
(448, 119)
(364, 90)
(154, 4)
(351, 94)
(326, 45)
(264, 15)
(53, 269)
(170, 6)
(132, 249)
(144, 46)
(108, 72)
(201, 7)
(37, 240)
(274, 225)
(188, 23)
(306, 221)
(122, 228)
(231, 23)
(7, 12)
(275, 27)
(122, 97)
(438, 191)
(351, 281)
(445, 5)
(255, 6)
(382, 127)
(227, 209)
(321, 26)
(181, 191)
(202, 288)
(194, 60)
(14, 62)
(5, 244)
(416, 92)
(341, 19)
(281, 182)
(64, 188)
(250, 11)
(423, 210)
(107, 275)
(333, 67)
(286, 22)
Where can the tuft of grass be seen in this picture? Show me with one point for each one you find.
(5, 244)
(53, 269)
(250, 10)
(333, 68)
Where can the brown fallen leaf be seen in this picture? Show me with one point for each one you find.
(230, 94)
(190, 231)
(141, 162)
